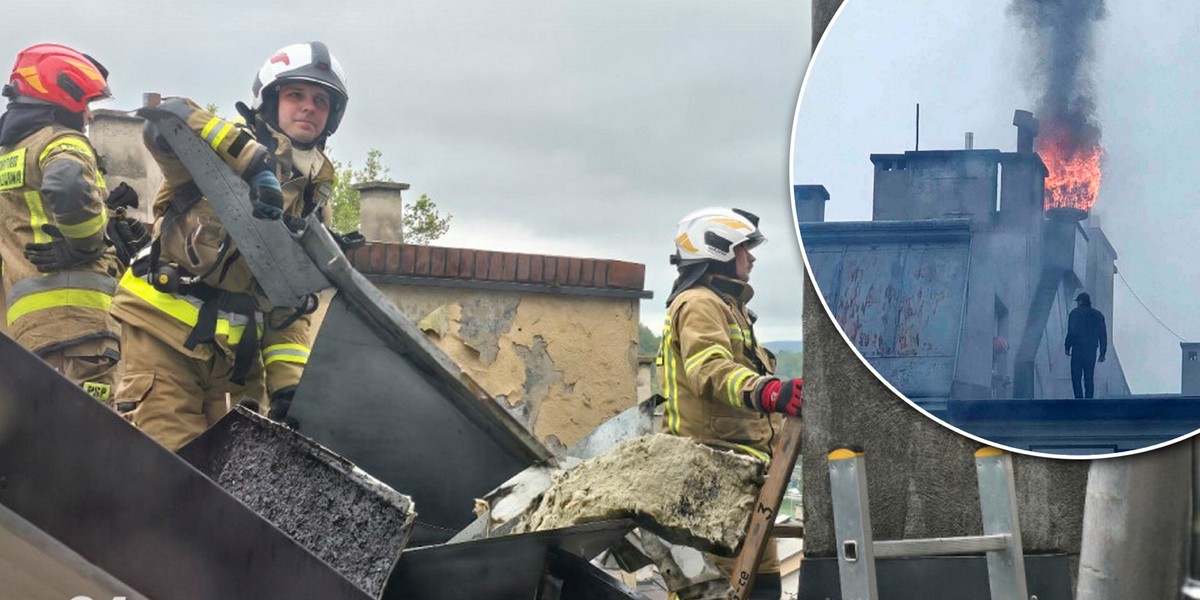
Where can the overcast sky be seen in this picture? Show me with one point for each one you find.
(966, 64)
(557, 127)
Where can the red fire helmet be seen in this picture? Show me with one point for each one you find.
(60, 75)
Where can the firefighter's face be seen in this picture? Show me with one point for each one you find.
(743, 262)
(303, 111)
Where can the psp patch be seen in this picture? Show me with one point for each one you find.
(99, 391)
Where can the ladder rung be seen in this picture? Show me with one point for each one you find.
(971, 544)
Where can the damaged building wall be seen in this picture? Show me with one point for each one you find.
(562, 364)
(890, 279)
(920, 474)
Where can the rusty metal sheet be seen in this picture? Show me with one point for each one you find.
(898, 294)
(125, 505)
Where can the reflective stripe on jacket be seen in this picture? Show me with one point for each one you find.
(51, 178)
(711, 368)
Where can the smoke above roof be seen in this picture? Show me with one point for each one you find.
(1060, 35)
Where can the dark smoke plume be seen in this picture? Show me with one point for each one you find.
(1060, 32)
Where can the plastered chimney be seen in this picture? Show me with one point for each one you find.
(382, 210)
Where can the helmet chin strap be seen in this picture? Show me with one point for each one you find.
(727, 268)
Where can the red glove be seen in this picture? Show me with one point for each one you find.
(782, 396)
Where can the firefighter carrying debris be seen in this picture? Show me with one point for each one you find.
(197, 329)
(714, 374)
(59, 275)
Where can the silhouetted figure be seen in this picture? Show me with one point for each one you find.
(1086, 334)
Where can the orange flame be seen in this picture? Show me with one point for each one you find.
(1074, 179)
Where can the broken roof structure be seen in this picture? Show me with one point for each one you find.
(96, 496)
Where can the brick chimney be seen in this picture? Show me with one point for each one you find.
(381, 210)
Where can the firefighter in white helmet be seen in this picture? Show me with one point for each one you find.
(195, 325)
(58, 274)
(714, 373)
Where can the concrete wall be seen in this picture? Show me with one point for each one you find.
(935, 185)
(117, 136)
(921, 475)
(822, 13)
(562, 364)
(1189, 384)
(1010, 241)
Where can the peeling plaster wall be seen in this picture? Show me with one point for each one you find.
(560, 364)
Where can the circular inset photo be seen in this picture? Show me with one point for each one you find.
(996, 203)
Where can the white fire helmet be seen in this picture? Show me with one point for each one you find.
(713, 233)
(310, 62)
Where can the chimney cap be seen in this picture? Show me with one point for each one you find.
(386, 186)
(1025, 120)
(810, 192)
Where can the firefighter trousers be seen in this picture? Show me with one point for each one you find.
(173, 397)
(91, 364)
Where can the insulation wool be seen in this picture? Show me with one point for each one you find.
(686, 492)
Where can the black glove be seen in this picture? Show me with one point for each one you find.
(349, 241)
(58, 254)
(128, 236)
(266, 195)
(281, 403)
(122, 197)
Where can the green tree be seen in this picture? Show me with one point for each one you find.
(423, 223)
(647, 341)
(648, 346)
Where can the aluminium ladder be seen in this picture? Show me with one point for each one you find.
(857, 550)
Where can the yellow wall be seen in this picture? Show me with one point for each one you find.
(562, 364)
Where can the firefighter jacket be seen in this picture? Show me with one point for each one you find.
(711, 368)
(49, 176)
(190, 236)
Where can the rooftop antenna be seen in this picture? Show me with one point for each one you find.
(918, 144)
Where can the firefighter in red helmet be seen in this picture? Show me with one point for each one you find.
(209, 331)
(59, 275)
